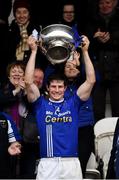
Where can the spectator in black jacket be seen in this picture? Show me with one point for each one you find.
(20, 28)
(103, 32)
(5, 9)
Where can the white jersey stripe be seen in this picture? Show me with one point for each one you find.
(49, 141)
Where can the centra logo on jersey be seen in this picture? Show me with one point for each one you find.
(58, 119)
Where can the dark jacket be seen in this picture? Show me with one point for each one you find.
(5, 9)
(105, 56)
(11, 106)
(15, 38)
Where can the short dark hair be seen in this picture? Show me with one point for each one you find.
(13, 64)
(21, 4)
(57, 76)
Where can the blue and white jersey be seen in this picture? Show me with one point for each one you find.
(13, 134)
(86, 115)
(58, 126)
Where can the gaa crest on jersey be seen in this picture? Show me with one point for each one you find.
(57, 110)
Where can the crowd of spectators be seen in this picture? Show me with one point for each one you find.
(98, 21)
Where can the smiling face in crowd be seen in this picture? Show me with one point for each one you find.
(16, 75)
(22, 15)
(68, 13)
(106, 6)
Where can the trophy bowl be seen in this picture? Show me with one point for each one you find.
(58, 42)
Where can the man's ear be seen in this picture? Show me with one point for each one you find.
(65, 88)
(115, 3)
(47, 87)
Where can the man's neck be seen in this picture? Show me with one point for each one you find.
(56, 101)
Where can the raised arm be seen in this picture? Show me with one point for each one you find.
(32, 90)
(85, 89)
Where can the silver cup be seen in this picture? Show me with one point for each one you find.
(57, 42)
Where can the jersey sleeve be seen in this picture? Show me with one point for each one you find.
(13, 134)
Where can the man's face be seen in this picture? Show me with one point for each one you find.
(56, 90)
(22, 16)
(106, 6)
(71, 70)
(38, 78)
(68, 13)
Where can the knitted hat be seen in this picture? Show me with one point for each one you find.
(20, 4)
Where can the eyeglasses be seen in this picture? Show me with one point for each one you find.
(68, 12)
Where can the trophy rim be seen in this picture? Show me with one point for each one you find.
(55, 35)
